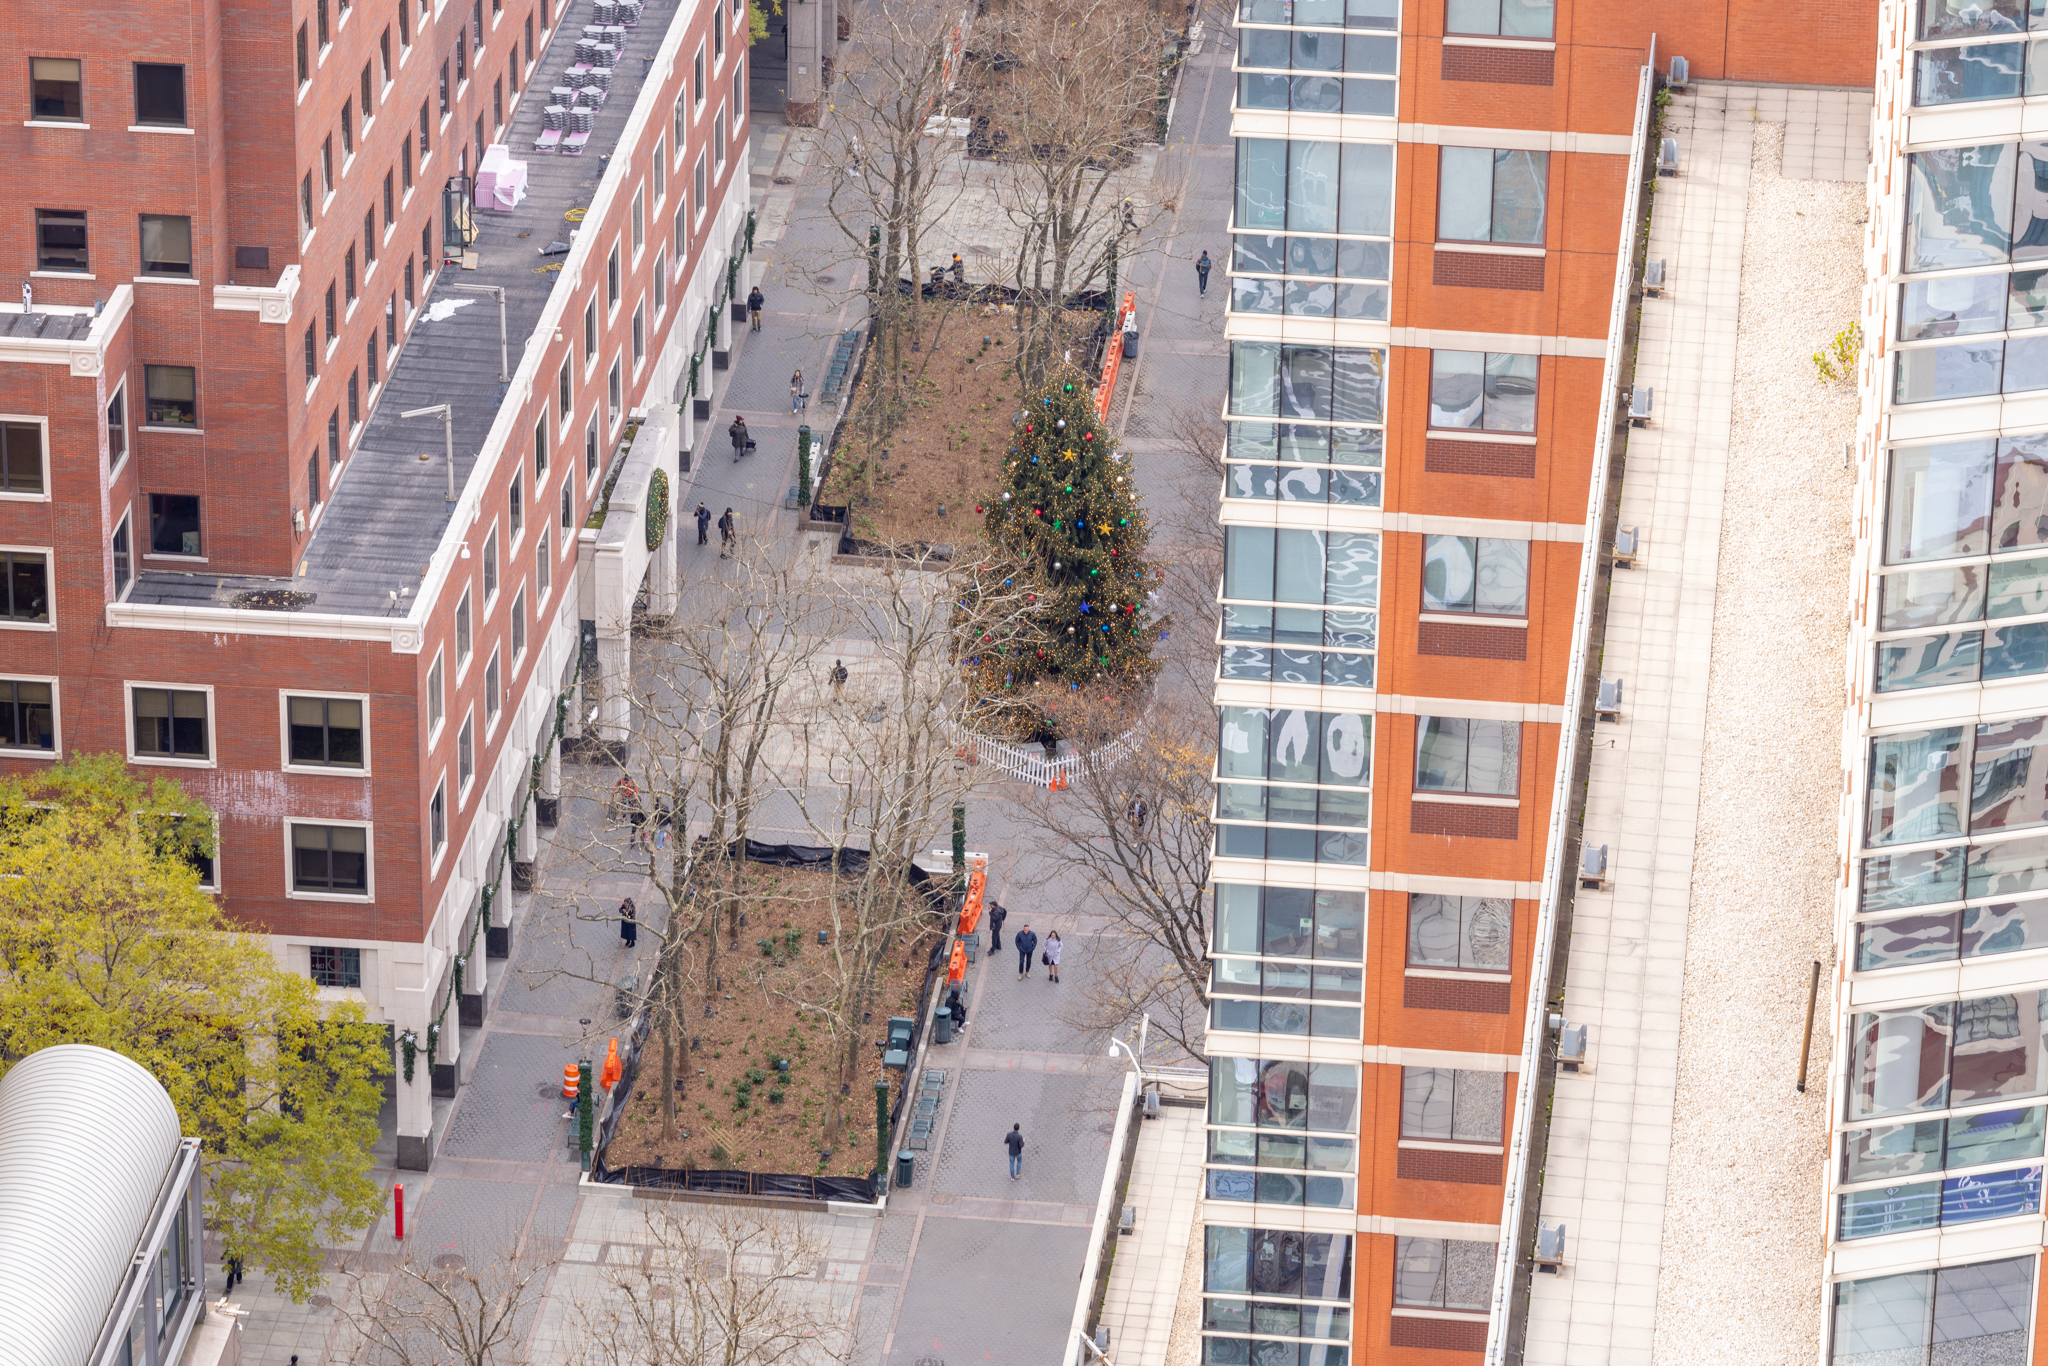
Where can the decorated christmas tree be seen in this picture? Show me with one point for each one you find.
(1068, 528)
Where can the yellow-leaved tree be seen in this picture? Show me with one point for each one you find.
(107, 938)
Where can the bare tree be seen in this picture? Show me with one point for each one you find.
(890, 178)
(452, 1311)
(1075, 90)
(708, 694)
(888, 769)
(1134, 825)
(725, 1285)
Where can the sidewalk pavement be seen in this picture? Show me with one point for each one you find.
(1145, 1282)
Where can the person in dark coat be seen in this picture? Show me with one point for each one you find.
(1202, 265)
(957, 1008)
(1014, 1141)
(996, 916)
(727, 531)
(1025, 941)
(738, 432)
(629, 923)
(703, 525)
(754, 303)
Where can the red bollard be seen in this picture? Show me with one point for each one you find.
(398, 1211)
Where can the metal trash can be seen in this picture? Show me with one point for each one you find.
(1130, 344)
(942, 1026)
(906, 1166)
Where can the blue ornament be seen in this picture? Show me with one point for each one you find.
(1105, 629)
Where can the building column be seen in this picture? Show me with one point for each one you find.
(547, 809)
(614, 703)
(476, 978)
(807, 51)
(448, 1050)
(721, 342)
(664, 579)
(415, 1110)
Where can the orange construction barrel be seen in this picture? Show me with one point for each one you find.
(569, 1079)
(613, 1068)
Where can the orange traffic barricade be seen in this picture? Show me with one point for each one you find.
(613, 1068)
(569, 1080)
(957, 972)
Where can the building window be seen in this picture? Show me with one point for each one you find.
(327, 166)
(166, 245)
(639, 336)
(324, 731)
(718, 136)
(515, 499)
(518, 625)
(462, 640)
(1935, 1314)
(370, 230)
(590, 331)
(437, 697)
(306, 204)
(1503, 19)
(543, 567)
(1447, 1106)
(333, 967)
(568, 510)
(697, 78)
(465, 753)
(1320, 186)
(348, 274)
(334, 438)
(590, 453)
(660, 281)
(331, 858)
(697, 184)
(170, 724)
(1453, 754)
(497, 104)
(1311, 568)
(717, 41)
(409, 289)
(1443, 1273)
(612, 392)
(1460, 933)
(562, 399)
(312, 353)
(370, 364)
(56, 88)
(658, 169)
(739, 90)
(333, 315)
(1277, 1264)
(437, 818)
(299, 47)
(490, 566)
(1284, 773)
(320, 19)
(391, 322)
(313, 481)
(540, 453)
(28, 715)
(25, 596)
(174, 524)
(492, 686)
(355, 403)
(1482, 391)
(1491, 196)
(639, 222)
(124, 558)
(1307, 384)
(611, 279)
(159, 95)
(444, 103)
(1476, 574)
(1327, 73)
(21, 457)
(60, 240)
(117, 427)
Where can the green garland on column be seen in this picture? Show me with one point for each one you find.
(657, 509)
(409, 1044)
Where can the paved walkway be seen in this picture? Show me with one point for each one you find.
(1610, 1132)
(1145, 1279)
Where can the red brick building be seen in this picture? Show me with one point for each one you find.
(249, 237)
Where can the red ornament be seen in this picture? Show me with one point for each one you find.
(977, 507)
(1087, 436)
(1027, 431)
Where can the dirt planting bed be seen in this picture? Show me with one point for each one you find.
(924, 480)
(738, 1110)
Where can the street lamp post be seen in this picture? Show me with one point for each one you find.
(504, 346)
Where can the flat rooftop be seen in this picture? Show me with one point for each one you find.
(383, 520)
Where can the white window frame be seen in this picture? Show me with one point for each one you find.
(127, 519)
(212, 759)
(127, 424)
(455, 632)
(637, 223)
(487, 553)
(284, 731)
(435, 725)
(362, 898)
(543, 567)
(43, 422)
(49, 554)
(436, 855)
(465, 786)
(56, 751)
(518, 629)
(493, 690)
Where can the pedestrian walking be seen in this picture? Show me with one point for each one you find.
(1202, 264)
(1051, 955)
(754, 302)
(728, 532)
(796, 391)
(703, 525)
(959, 269)
(1025, 941)
(738, 432)
(838, 678)
(234, 1273)
(996, 916)
(1014, 1141)
(629, 923)
(1138, 813)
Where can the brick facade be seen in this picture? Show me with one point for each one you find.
(1467, 822)
(1464, 1169)
(1471, 641)
(1448, 993)
(1487, 459)
(1445, 1335)
(1499, 65)
(1486, 270)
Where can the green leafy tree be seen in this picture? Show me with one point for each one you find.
(1069, 522)
(106, 938)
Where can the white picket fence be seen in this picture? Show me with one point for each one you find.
(1029, 762)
